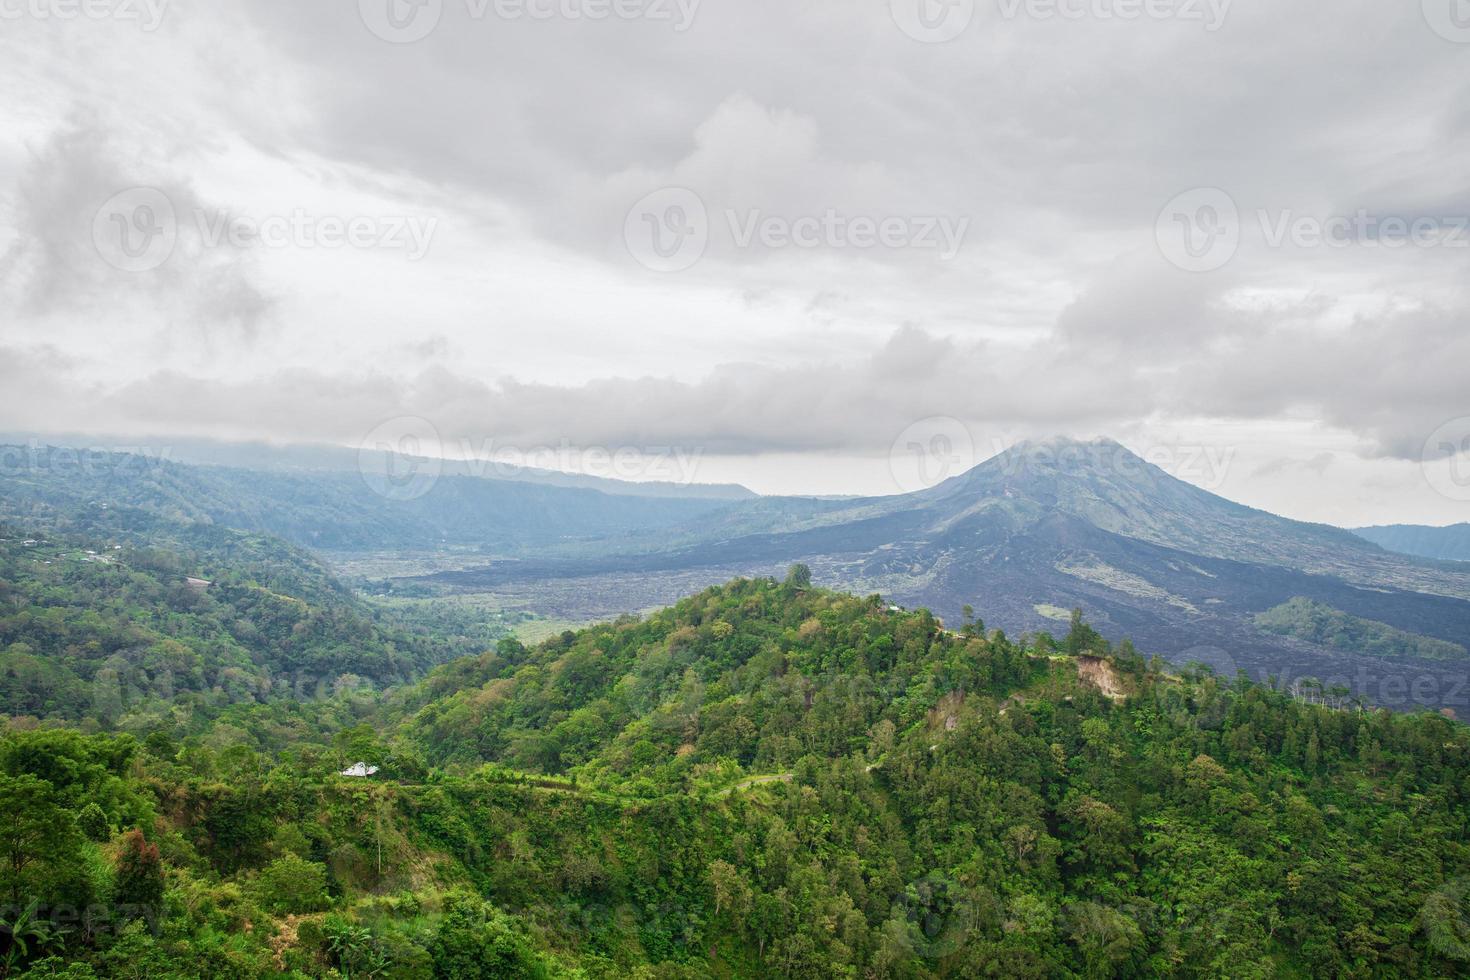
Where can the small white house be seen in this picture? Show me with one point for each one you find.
(359, 769)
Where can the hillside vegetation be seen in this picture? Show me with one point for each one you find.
(114, 629)
(765, 780)
(1048, 525)
(1317, 622)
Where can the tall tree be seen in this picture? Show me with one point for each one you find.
(139, 878)
(39, 840)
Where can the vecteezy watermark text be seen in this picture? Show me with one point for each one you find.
(832, 229)
(403, 458)
(148, 14)
(407, 21)
(1209, 13)
(937, 21)
(1204, 466)
(1202, 230)
(121, 461)
(304, 229)
(138, 229)
(934, 449)
(670, 230)
(664, 464)
(1362, 229)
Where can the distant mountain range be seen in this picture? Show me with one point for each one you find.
(318, 458)
(352, 507)
(1446, 543)
(1023, 538)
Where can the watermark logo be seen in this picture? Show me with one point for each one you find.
(630, 464)
(1199, 230)
(407, 21)
(938, 21)
(1362, 229)
(834, 230)
(1446, 459)
(929, 452)
(148, 14)
(1217, 659)
(1450, 19)
(401, 459)
(1204, 466)
(933, 21)
(138, 230)
(936, 911)
(1210, 13)
(119, 462)
(668, 230)
(400, 21)
(677, 13)
(305, 229)
(135, 230)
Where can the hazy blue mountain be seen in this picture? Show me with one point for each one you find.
(321, 457)
(335, 509)
(1446, 543)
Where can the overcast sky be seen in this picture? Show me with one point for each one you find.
(786, 239)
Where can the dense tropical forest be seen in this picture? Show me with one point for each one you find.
(768, 779)
(114, 631)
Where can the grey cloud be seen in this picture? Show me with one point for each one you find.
(1396, 399)
(1392, 378)
(762, 103)
(1060, 140)
(737, 409)
(1318, 464)
(53, 264)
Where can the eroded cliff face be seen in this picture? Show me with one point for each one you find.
(1101, 675)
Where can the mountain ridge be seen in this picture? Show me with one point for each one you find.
(1447, 543)
(1043, 526)
(1062, 524)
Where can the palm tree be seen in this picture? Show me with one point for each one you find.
(353, 946)
(24, 931)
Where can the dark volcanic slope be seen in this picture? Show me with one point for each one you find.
(1048, 527)
(1024, 537)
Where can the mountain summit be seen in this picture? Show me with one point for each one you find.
(1046, 527)
(1027, 536)
(1110, 487)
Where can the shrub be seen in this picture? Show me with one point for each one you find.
(292, 884)
(93, 822)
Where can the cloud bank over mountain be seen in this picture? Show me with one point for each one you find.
(490, 172)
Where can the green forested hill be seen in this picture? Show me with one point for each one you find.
(119, 629)
(1317, 622)
(765, 780)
